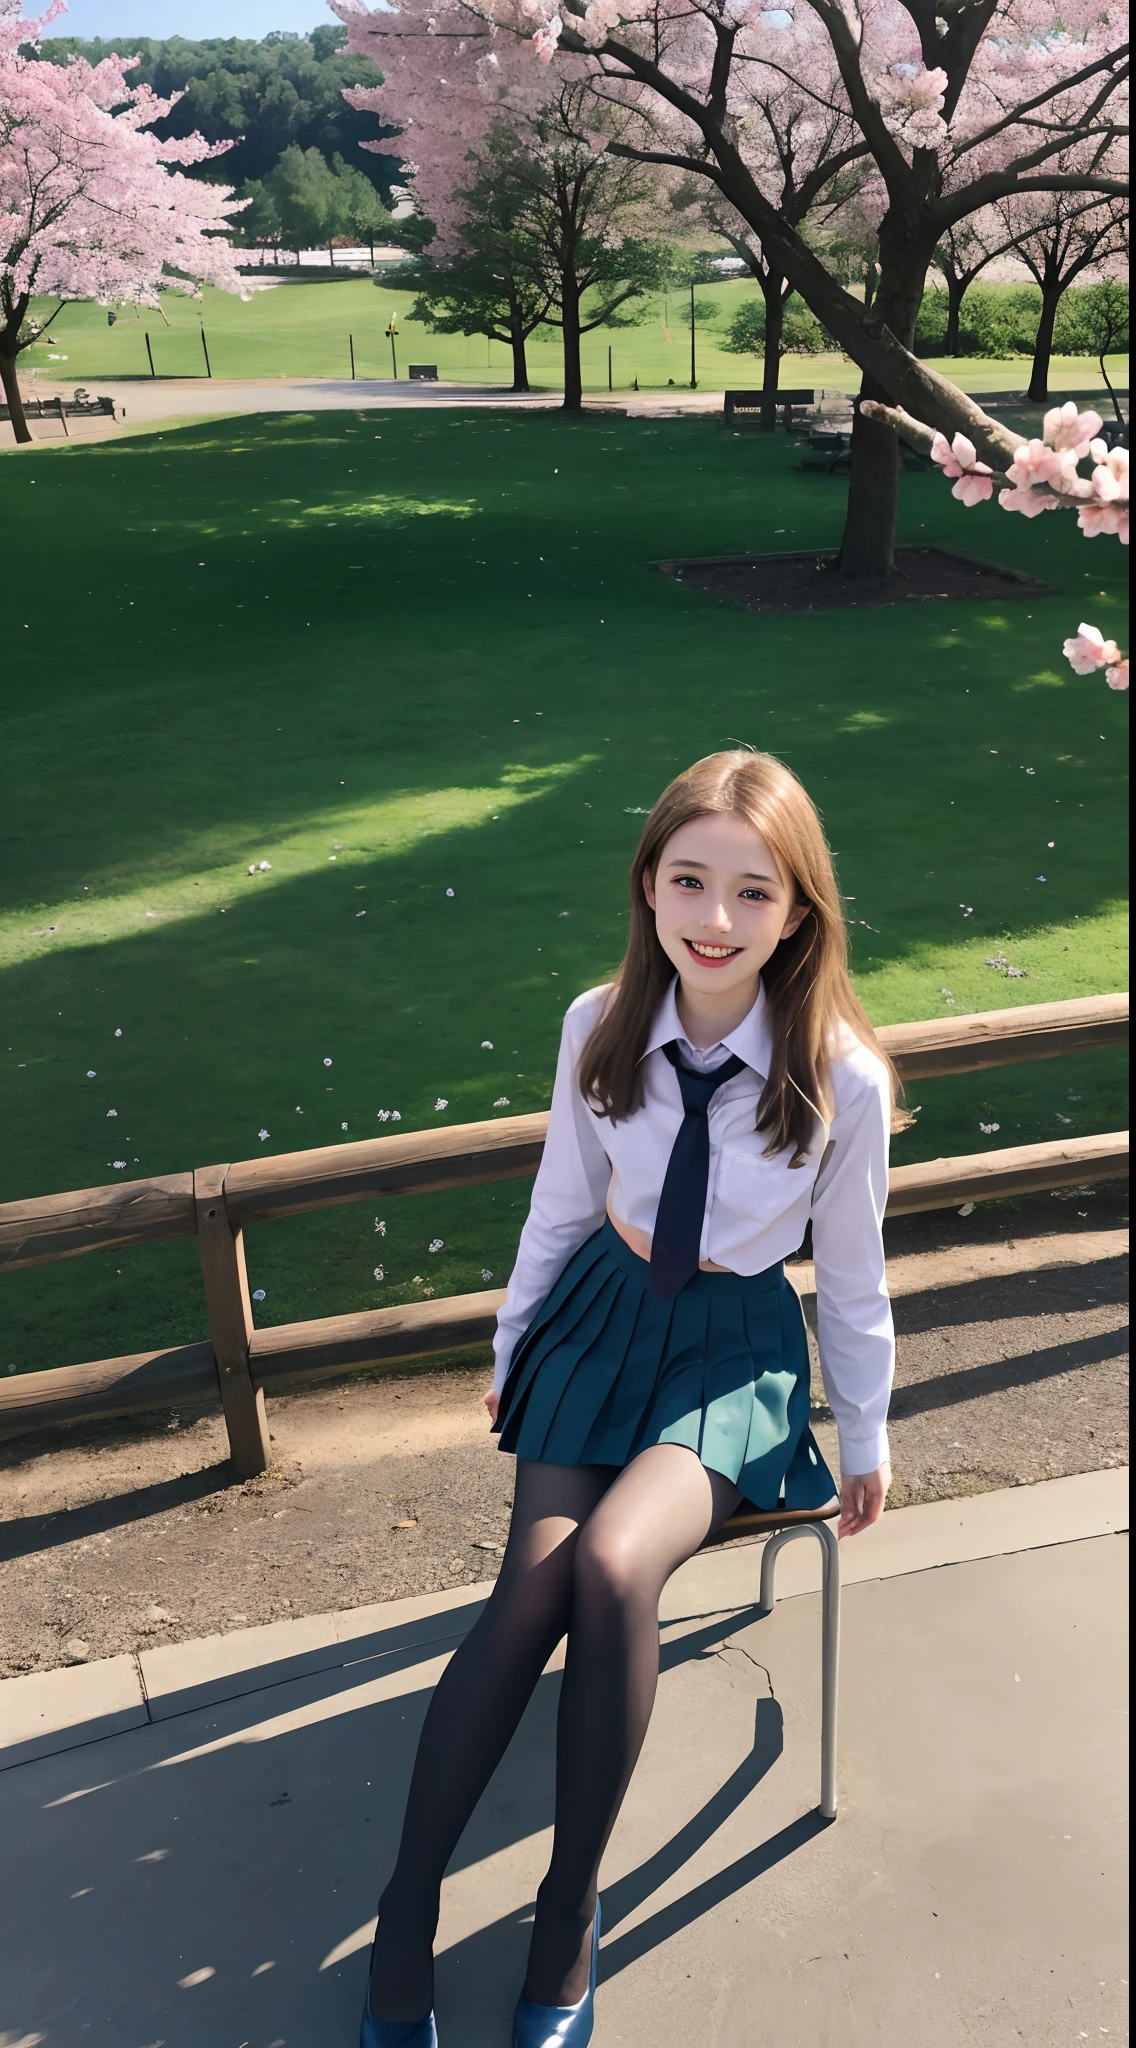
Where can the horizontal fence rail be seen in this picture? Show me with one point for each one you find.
(241, 1365)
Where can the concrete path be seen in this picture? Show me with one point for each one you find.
(205, 1878)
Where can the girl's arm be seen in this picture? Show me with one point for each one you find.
(854, 1325)
(569, 1197)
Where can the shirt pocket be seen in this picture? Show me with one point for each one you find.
(753, 1191)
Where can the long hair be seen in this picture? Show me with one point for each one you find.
(806, 980)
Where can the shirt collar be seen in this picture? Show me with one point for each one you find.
(751, 1040)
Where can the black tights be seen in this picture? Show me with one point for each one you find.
(590, 1549)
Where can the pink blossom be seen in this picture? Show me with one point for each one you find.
(1065, 427)
(1110, 477)
(959, 458)
(1090, 650)
(1117, 676)
(1029, 503)
(1034, 463)
(973, 487)
(546, 39)
(1096, 519)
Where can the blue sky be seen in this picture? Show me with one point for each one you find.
(186, 17)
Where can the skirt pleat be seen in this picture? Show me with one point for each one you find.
(605, 1369)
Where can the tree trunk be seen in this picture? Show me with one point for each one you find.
(867, 548)
(956, 293)
(1043, 345)
(773, 289)
(517, 344)
(12, 397)
(570, 327)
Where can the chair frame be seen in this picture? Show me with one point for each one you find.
(782, 1528)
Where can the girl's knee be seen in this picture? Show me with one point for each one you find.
(608, 1569)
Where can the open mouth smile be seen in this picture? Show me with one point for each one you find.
(711, 956)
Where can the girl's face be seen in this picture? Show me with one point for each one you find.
(722, 904)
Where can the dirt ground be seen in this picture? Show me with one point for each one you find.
(1012, 1367)
(806, 583)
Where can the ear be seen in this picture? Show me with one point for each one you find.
(794, 921)
(649, 889)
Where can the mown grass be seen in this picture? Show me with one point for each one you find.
(398, 655)
(302, 330)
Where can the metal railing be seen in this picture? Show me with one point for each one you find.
(240, 1364)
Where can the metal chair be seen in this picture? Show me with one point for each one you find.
(779, 1526)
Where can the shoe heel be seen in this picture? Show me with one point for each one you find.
(557, 2026)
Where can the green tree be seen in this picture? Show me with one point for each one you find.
(1099, 323)
(488, 285)
(286, 89)
(585, 234)
(304, 190)
(801, 333)
(259, 220)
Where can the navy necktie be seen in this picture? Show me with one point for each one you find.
(682, 1204)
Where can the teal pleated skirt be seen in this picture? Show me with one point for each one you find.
(605, 1369)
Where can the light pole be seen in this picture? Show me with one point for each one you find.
(392, 330)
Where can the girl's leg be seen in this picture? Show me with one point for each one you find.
(475, 1710)
(654, 1516)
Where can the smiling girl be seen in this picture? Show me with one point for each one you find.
(725, 1091)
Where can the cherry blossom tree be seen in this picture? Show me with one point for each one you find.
(1046, 475)
(962, 255)
(1060, 235)
(961, 106)
(809, 159)
(91, 205)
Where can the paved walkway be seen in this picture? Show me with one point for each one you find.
(138, 402)
(204, 1878)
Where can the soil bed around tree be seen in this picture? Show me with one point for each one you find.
(807, 582)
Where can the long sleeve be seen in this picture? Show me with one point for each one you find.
(568, 1200)
(854, 1323)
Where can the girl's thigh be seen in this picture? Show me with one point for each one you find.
(656, 1512)
(551, 1503)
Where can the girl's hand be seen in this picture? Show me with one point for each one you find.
(862, 1500)
(492, 1403)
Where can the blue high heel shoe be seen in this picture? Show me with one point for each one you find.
(559, 2026)
(394, 2033)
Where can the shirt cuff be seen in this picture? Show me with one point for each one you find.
(862, 1454)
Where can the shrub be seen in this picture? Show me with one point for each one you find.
(802, 334)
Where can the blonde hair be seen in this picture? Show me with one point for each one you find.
(806, 980)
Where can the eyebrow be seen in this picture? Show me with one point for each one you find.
(774, 879)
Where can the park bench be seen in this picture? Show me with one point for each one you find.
(423, 373)
(748, 404)
(79, 406)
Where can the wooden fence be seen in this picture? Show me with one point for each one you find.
(214, 1203)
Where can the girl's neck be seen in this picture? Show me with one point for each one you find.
(705, 1020)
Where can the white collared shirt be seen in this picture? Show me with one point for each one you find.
(756, 1208)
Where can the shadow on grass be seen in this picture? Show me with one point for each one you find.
(213, 687)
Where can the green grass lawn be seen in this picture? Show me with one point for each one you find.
(301, 330)
(404, 655)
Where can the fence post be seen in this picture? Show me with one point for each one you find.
(230, 1322)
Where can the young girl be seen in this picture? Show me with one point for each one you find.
(652, 1365)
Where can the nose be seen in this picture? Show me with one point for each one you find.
(715, 917)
